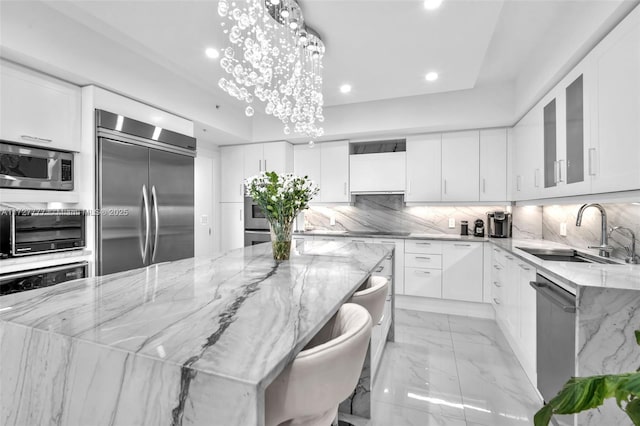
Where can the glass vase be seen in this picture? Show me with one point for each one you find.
(281, 239)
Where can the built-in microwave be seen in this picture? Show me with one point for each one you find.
(254, 218)
(29, 167)
(25, 232)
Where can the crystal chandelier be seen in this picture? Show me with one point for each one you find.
(275, 58)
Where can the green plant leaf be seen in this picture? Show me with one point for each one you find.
(633, 411)
(638, 337)
(543, 416)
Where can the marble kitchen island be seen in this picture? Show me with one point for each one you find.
(189, 342)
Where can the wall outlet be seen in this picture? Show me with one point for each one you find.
(332, 220)
(563, 229)
(452, 222)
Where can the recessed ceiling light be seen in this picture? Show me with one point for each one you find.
(345, 88)
(432, 4)
(212, 53)
(431, 76)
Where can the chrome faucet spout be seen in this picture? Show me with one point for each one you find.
(604, 247)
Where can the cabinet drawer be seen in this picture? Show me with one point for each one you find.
(384, 269)
(431, 261)
(423, 282)
(421, 246)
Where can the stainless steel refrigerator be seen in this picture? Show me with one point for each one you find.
(144, 194)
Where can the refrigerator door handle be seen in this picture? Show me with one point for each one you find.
(147, 225)
(154, 200)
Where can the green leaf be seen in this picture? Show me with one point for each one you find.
(633, 411)
(638, 337)
(543, 416)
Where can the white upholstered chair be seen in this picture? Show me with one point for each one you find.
(323, 374)
(372, 295)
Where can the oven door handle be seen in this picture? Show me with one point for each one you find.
(145, 247)
(548, 293)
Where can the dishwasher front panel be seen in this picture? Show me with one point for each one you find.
(556, 331)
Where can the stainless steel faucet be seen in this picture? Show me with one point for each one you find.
(632, 257)
(604, 247)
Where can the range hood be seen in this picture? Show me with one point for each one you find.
(378, 172)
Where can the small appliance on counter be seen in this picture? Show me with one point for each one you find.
(478, 228)
(499, 224)
(464, 227)
(26, 232)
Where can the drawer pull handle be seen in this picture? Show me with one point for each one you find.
(497, 267)
(497, 284)
(379, 269)
(525, 267)
(423, 244)
(509, 257)
(423, 272)
(381, 319)
(496, 250)
(357, 241)
(463, 245)
(423, 257)
(35, 138)
(496, 301)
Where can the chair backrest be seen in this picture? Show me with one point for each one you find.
(322, 376)
(372, 296)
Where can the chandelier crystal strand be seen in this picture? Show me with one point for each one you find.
(275, 58)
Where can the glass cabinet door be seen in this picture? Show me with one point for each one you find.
(575, 131)
(550, 144)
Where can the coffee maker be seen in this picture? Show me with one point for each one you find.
(499, 224)
(478, 228)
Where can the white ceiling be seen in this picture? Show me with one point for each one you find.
(383, 48)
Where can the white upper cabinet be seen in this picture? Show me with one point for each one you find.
(460, 166)
(493, 165)
(306, 162)
(253, 159)
(424, 168)
(528, 156)
(231, 170)
(278, 157)
(38, 110)
(334, 171)
(614, 160)
(379, 172)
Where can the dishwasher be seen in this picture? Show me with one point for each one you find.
(555, 331)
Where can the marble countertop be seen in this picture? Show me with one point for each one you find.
(240, 315)
(568, 274)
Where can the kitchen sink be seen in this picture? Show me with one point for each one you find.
(565, 255)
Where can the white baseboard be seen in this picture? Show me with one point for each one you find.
(441, 306)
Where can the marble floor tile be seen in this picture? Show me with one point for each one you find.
(384, 414)
(426, 320)
(450, 370)
(419, 378)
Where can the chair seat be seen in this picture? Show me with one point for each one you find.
(310, 388)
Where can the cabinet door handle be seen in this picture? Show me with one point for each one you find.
(265, 164)
(536, 177)
(560, 178)
(497, 284)
(484, 185)
(462, 245)
(345, 188)
(518, 182)
(496, 301)
(35, 138)
(423, 257)
(445, 186)
(241, 189)
(555, 172)
(592, 168)
(423, 272)
(423, 244)
(240, 217)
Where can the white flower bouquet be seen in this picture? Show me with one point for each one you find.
(281, 197)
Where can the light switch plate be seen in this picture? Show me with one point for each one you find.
(332, 220)
(452, 222)
(563, 229)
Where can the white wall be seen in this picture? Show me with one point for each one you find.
(464, 109)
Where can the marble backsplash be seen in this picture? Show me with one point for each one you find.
(388, 213)
(627, 215)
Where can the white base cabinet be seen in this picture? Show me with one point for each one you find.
(462, 271)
